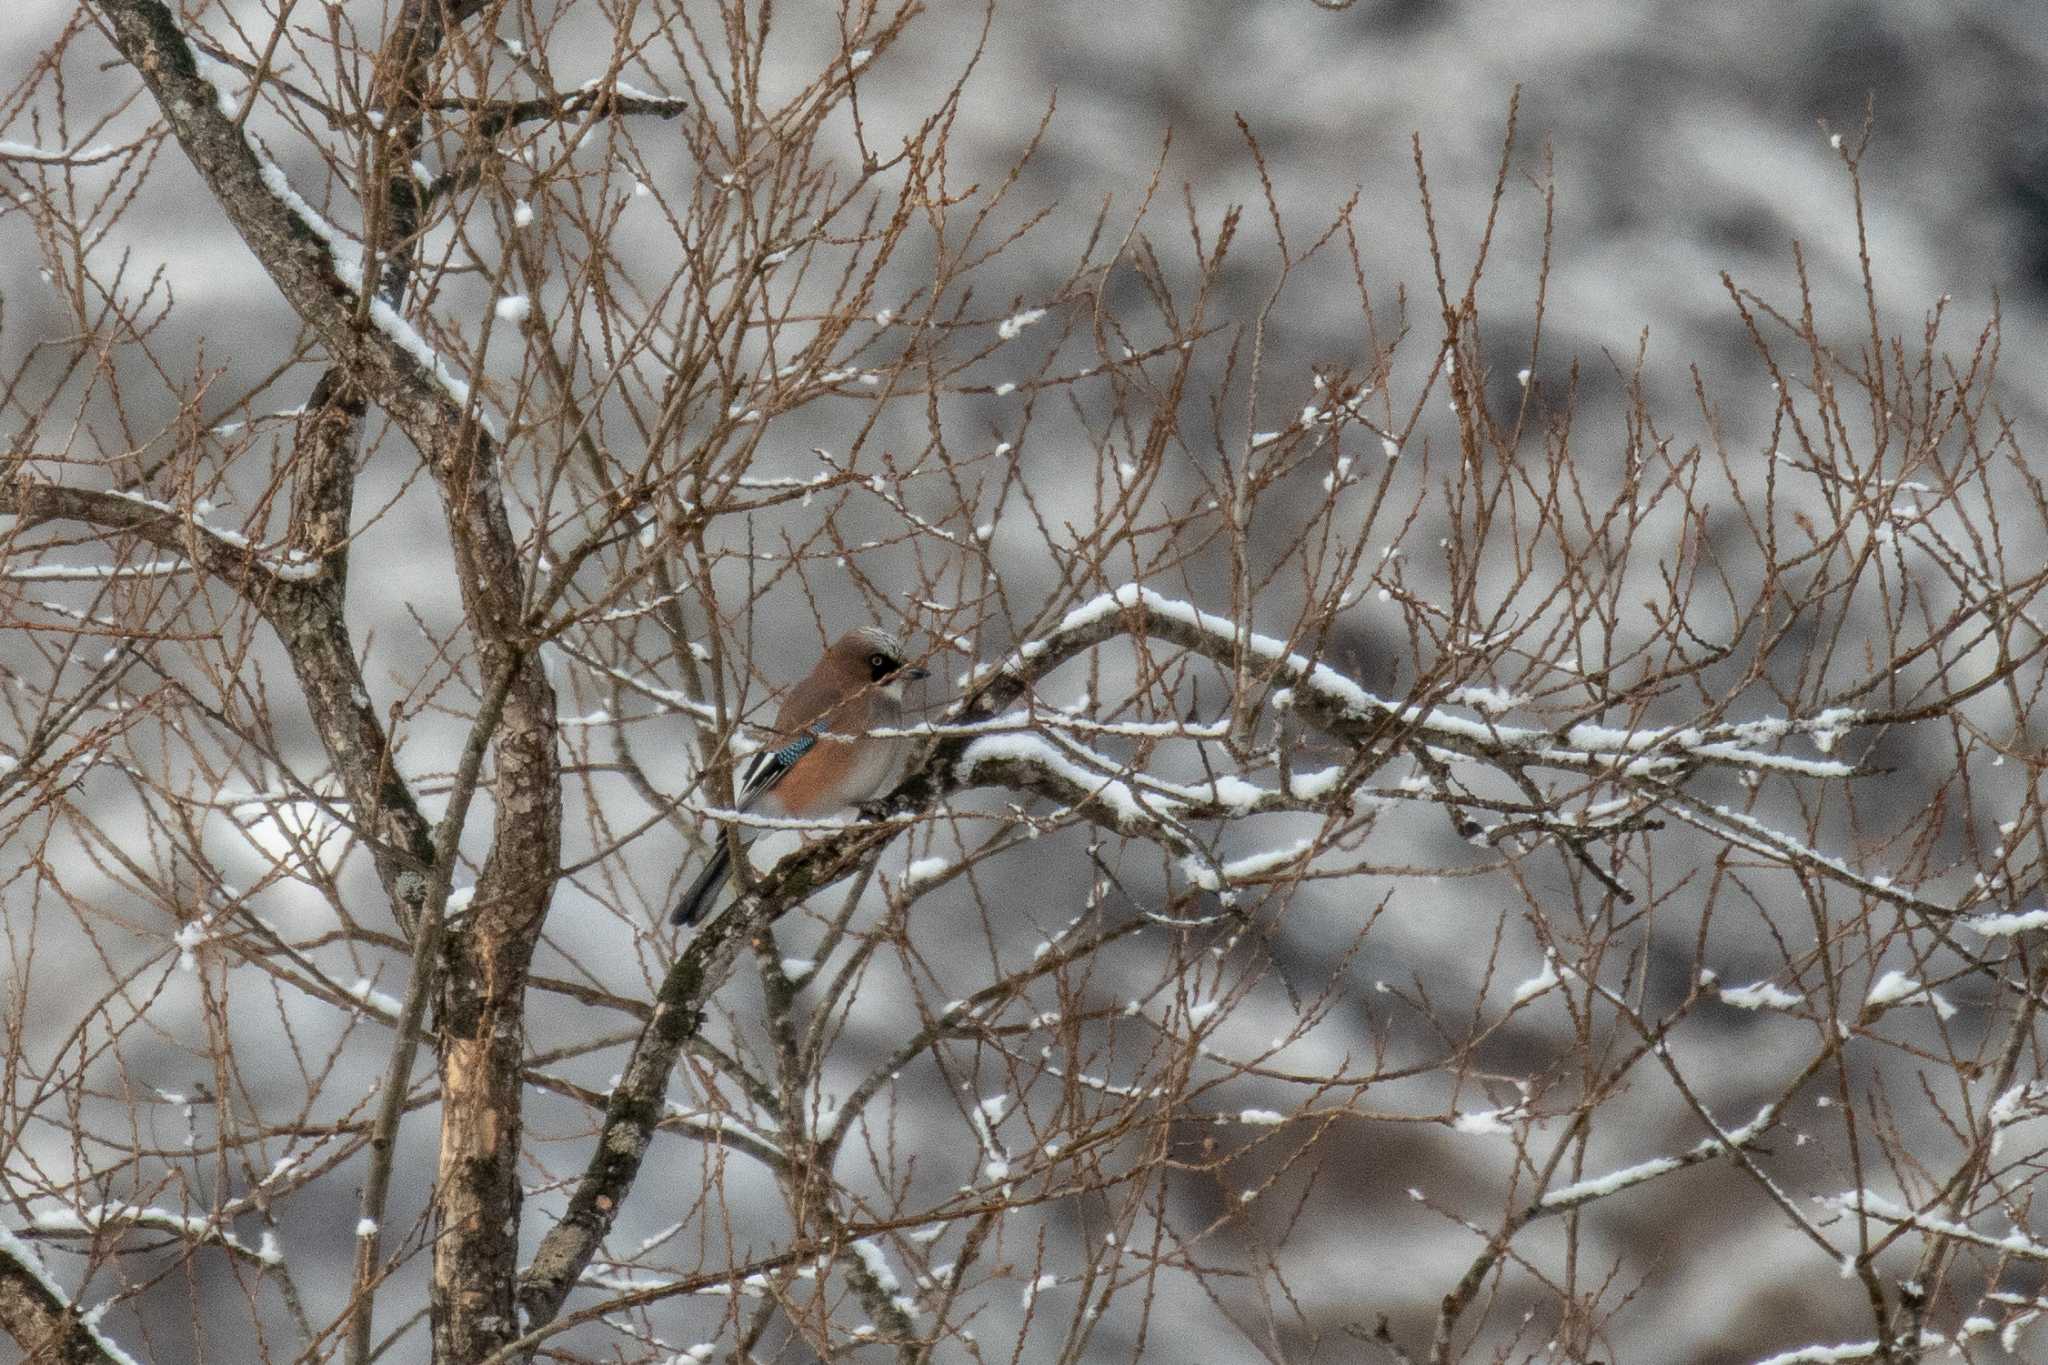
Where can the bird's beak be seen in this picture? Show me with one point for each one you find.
(913, 674)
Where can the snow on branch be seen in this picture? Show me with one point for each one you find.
(1342, 707)
(320, 273)
(1846, 1351)
(94, 573)
(195, 1229)
(82, 156)
(224, 554)
(1032, 763)
(2014, 1243)
(1753, 836)
(33, 1300)
(2004, 926)
(982, 740)
(1600, 1186)
(1045, 760)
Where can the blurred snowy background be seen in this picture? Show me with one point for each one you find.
(1686, 140)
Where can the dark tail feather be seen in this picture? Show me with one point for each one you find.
(704, 890)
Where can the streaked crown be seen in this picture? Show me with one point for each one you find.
(875, 652)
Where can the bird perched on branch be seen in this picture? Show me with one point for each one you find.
(823, 758)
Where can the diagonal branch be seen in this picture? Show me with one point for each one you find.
(316, 271)
(40, 1319)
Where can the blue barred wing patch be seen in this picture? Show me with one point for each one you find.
(769, 765)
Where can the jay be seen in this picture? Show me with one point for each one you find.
(824, 757)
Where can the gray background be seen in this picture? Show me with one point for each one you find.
(1686, 142)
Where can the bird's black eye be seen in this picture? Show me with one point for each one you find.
(880, 665)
